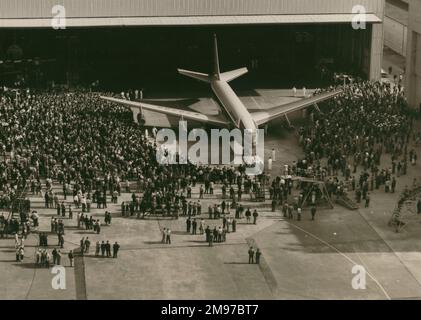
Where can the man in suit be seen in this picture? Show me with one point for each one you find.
(103, 248)
(63, 210)
(108, 249)
(251, 255)
(313, 212)
(194, 226)
(116, 247)
(258, 254)
(255, 215)
(71, 257)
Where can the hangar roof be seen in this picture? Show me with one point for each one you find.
(190, 20)
(39, 13)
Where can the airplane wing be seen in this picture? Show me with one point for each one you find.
(185, 114)
(264, 116)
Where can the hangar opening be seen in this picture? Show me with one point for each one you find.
(283, 55)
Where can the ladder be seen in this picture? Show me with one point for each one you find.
(346, 202)
(395, 221)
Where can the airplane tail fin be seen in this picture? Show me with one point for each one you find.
(216, 70)
(226, 76)
(195, 75)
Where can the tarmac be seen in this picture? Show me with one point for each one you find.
(300, 259)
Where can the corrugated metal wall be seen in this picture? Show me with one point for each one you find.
(129, 8)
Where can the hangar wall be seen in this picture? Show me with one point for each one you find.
(17, 10)
(396, 25)
(395, 36)
(413, 61)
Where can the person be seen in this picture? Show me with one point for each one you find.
(419, 206)
(87, 244)
(35, 219)
(79, 218)
(168, 241)
(61, 241)
(313, 212)
(46, 258)
(63, 209)
(194, 226)
(164, 235)
(273, 205)
(188, 224)
(108, 249)
(234, 225)
(116, 247)
(54, 254)
(255, 215)
(20, 252)
(367, 200)
(210, 237)
(290, 214)
(71, 257)
(298, 214)
(393, 184)
(219, 234)
(248, 215)
(202, 226)
(103, 248)
(258, 254)
(58, 257)
(98, 227)
(38, 256)
(97, 248)
(251, 255)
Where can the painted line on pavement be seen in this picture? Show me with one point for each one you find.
(342, 254)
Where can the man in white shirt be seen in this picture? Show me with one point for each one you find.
(168, 240)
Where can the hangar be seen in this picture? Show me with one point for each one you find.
(142, 42)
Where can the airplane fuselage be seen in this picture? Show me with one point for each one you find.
(236, 110)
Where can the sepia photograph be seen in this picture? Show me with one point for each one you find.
(195, 152)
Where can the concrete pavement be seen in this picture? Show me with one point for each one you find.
(301, 259)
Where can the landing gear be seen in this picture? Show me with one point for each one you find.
(141, 118)
(290, 126)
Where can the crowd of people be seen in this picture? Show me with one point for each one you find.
(358, 143)
(93, 149)
(102, 248)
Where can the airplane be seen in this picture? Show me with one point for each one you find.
(238, 114)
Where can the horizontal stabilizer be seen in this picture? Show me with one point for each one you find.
(231, 75)
(195, 75)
